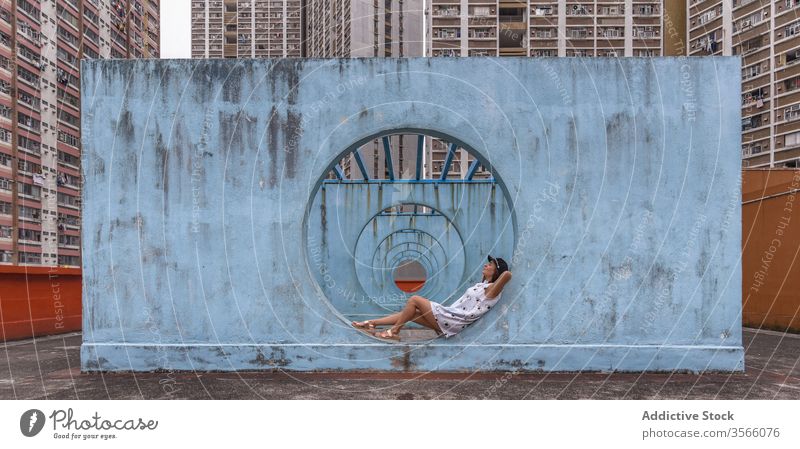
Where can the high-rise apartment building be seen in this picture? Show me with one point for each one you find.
(364, 28)
(766, 34)
(552, 28)
(41, 44)
(247, 28)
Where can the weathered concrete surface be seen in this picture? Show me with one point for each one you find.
(49, 369)
(623, 176)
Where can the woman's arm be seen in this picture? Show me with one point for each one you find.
(494, 289)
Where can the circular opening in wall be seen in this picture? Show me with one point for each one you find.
(409, 276)
(402, 213)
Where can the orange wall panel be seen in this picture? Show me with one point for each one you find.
(36, 301)
(771, 249)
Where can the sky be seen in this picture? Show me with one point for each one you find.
(176, 31)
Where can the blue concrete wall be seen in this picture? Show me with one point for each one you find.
(623, 175)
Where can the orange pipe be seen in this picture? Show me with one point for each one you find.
(410, 285)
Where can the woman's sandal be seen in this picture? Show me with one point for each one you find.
(388, 334)
(367, 325)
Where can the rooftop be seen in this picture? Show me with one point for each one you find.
(48, 368)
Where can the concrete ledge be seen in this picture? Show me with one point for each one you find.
(410, 357)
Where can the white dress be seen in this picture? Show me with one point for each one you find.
(472, 305)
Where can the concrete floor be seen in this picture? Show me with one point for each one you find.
(48, 368)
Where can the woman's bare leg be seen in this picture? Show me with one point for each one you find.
(418, 318)
(417, 309)
(388, 319)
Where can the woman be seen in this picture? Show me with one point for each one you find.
(473, 304)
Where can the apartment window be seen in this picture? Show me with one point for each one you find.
(647, 32)
(612, 32)
(646, 10)
(69, 139)
(26, 53)
(578, 10)
(30, 235)
(29, 190)
(68, 200)
(65, 179)
(579, 53)
(31, 10)
(752, 45)
(5, 208)
(5, 160)
(791, 113)
(68, 36)
(481, 11)
(28, 121)
(68, 159)
(28, 76)
(27, 144)
(578, 33)
(67, 58)
(69, 260)
(66, 117)
(89, 53)
(749, 21)
(447, 52)
(30, 213)
(792, 30)
(613, 10)
(92, 17)
(791, 139)
(5, 232)
(28, 166)
(755, 97)
(27, 31)
(5, 184)
(752, 71)
(69, 220)
(792, 4)
(752, 149)
(792, 56)
(792, 84)
(751, 122)
(34, 258)
(453, 33)
(67, 16)
(707, 16)
(71, 240)
(31, 101)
